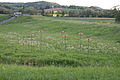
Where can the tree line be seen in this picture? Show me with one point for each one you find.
(35, 8)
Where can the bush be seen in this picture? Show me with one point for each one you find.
(117, 17)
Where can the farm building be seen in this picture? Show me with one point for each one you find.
(17, 14)
(56, 12)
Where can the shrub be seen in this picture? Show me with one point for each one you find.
(117, 17)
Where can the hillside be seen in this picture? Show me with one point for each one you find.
(37, 8)
(43, 5)
(37, 5)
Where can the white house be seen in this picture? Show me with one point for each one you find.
(17, 13)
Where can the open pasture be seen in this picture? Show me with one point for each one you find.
(89, 19)
(59, 46)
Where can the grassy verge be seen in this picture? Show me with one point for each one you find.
(4, 16)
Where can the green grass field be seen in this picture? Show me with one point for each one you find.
(4, 16)
(57, 73)
(94, 20)
(33, 48)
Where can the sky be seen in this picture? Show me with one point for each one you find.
(105, 4)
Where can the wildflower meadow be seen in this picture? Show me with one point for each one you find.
(44, 48)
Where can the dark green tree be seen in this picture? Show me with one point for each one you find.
(117, 17)
(116, 12)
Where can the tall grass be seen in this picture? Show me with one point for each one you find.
(10, 72)
(22, 44)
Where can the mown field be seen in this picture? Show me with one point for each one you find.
(42, 48)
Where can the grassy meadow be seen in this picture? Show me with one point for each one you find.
(87, 19)
(4, 16)
(45, 48)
